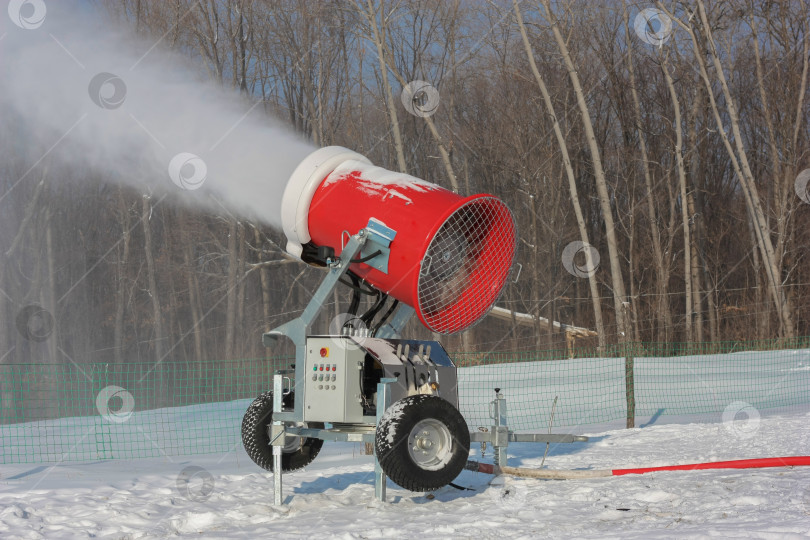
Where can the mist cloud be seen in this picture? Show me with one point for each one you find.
(92, 96)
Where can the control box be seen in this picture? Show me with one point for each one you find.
(332, 388)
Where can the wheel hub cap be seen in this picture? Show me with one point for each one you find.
(430, 444)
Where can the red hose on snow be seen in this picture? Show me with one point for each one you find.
(757, 463)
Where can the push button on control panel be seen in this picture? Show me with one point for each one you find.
(325, 373)
(318, 368)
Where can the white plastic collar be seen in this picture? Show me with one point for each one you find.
(301, 187)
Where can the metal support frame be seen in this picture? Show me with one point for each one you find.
(299, 328)
(500, 431)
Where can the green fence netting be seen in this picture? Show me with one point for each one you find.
(72, 412)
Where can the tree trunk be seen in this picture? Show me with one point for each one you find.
(264, 279)
(230, 310)
(49, 296)
(193, 301)
(572, 184)
(699, 230)
(697, 303)
(685, 222)
(7, 357)
(619, 295)
(239, 348)
(378, 36)
(760, 300)
(121, 278)
(445, 155)
(662, 273)
(633, 321)
(157, 317)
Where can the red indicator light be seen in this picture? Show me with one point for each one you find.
(327, 368)
(324, 352)
(321, 368)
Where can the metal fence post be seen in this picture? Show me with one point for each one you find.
(500, 431)
(629, 388)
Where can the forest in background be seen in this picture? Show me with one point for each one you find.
(676, 152)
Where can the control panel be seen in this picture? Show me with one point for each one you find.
(332, 384)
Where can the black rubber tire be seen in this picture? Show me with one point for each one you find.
(392, 445)
(256, 438)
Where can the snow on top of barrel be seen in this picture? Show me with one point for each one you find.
(378, 180)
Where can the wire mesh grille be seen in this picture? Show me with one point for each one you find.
(466, 265)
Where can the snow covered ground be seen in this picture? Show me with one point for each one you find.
(227, 496)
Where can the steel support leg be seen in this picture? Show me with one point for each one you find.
(278, 440)
(382, 404)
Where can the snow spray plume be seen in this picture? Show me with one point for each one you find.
(92, 97)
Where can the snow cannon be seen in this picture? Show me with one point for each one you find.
(445, 255)
(385, 235)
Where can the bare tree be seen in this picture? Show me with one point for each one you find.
(739, 160)
(665, 326)
(569, 171)
(617, 281)
(378, 31)
(151, 276)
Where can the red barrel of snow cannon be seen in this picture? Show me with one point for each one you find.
(449, 256)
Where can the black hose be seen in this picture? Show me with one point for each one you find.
(385, 317)
(369, 315)
(357, 288)
(366, 258)
(355, 303)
